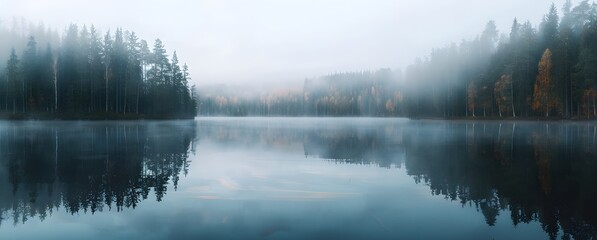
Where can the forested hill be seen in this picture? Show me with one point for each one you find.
(89, 75)
(537, 70)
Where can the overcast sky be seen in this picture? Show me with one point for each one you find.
(284, 41)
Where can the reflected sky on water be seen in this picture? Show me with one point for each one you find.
(297, 178)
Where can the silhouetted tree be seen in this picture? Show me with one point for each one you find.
(86, 77)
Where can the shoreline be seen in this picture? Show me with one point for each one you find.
(140, 117)
(488, 119)
(86, 117)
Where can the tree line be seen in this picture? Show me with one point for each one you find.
(93, 76)
(549, 71)
(544, 71)
(367, 93)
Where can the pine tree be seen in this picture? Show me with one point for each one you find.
(96, 70)
(31, 75)
(107, 62)
(87, 77)
(47, 89)
(13, 79)
(549, 28)
(118, 65)
(160, 69)
(68, 71)
(135, 75)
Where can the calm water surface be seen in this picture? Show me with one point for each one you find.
(301, 178)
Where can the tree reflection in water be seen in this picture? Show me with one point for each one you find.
(543, 172)
(88, 167)
(535, 172)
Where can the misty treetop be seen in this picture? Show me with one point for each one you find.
(549, 71)
(94, 75)
(544, 71)
(368, 93)
(354, 94)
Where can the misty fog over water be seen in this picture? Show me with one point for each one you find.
(298, 119)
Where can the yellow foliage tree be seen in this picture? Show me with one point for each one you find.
(471, 94)
(502, 92)
(589, 102)
(543, 95)
(390, 107)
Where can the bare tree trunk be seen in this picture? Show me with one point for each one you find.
(466, 104)
(106, 77)
(56, 153)
(512, 97)
(594, 133)
(91, 100)
(125, 98)
(55, 86)
(588, 112)
(23, 92)
(137, 100)
(594, 110)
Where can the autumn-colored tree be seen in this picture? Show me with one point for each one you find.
(471, 94)
(543, 95)
(390, 106)
(589, 102)
(504, 95)
(484, 99)
(497, 90)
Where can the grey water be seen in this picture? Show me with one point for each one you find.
(298, 178)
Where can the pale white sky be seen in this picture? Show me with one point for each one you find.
(283, 41)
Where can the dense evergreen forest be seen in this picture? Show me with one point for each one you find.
(89, 75)
(544, 71)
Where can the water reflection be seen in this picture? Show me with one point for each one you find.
(88, 167)
(536, 172)
(528, 172)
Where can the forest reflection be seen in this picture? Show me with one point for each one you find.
(88, 167)
(535, 172)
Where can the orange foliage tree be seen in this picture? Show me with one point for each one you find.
(589, 102)
(543, 95)
(502, 92)
(471, 94)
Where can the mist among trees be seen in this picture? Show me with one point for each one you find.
(545, 71)
(90, 75)
(343, 94)
(534, 70)
(549, 70)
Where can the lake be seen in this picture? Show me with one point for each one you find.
(298, 178)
